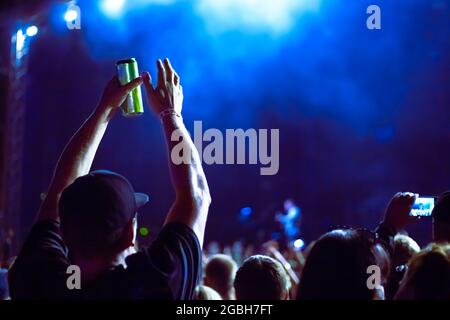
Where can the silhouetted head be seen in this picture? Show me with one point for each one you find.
(428, 275)
(220, 271)
(206, 293)
(261, 278)
(441, 218)
(337, 266)
(404, 249)
(98, 215)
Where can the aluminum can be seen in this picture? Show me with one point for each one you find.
(127, 70)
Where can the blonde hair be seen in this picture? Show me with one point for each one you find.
(404, 249)
(428, 275)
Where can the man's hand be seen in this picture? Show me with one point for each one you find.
(115, 94)
(77, 157)
(168, 94)
(192, 198)
(397, 212)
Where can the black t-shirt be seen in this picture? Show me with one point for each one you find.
(168, 269)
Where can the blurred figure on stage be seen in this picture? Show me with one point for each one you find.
(290, 223)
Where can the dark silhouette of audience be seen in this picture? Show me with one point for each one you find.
(261, 278)
(88, 220)
(219, 275)
(404, 249)
(441, 218)
(428, 275)
(336, 267)
(206, 293)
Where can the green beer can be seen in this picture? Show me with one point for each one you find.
(127, 70)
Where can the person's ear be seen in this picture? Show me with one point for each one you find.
(129, 236)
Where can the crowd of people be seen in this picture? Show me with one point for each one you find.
(88, 219)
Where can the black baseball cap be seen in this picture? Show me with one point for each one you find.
(98, 205)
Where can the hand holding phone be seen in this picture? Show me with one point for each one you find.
(423, 207)
(398, 210)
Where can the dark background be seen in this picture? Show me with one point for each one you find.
(362, 113)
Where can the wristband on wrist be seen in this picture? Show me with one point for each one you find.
(168, 112)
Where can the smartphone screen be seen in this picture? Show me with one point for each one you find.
(423, 207)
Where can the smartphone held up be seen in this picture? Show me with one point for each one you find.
(423, 207)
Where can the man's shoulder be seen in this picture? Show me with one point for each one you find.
(138, 281)
(44, 241)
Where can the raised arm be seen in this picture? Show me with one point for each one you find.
(396, 217)
(188, 179)
(77, 157)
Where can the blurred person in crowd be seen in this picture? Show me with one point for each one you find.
(261, 278)
(306, 253)
(441, 218)
(296, 259)
(9, 262)
(4, 287)
(6, 245)
(213, 248)
(428, 275)
(249, 251)
(237, 250)
(220, 271)
(227, 250)
(336, 266)
(206, 293)
(95, 215)
(404, 249)
(271, 249)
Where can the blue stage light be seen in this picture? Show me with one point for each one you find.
(32, 31)
(275, 17)
(112, 8)
(70, 15)
(299, 244)
(246, 212)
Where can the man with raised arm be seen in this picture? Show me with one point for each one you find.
(86, 225)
